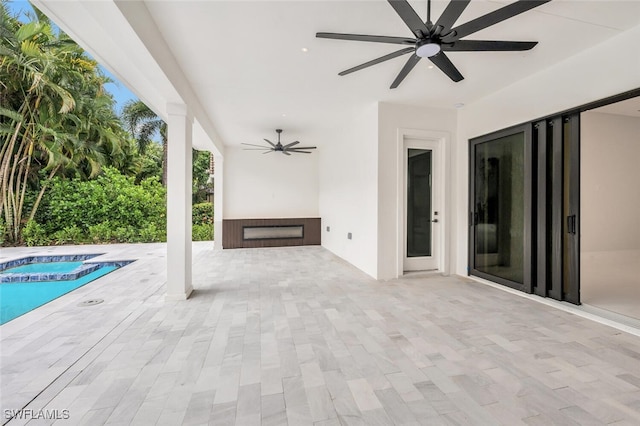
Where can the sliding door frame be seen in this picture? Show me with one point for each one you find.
(526, 129)
(543, 250)
(553, 233)
(573, 268)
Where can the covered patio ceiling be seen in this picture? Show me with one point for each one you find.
(240, 65)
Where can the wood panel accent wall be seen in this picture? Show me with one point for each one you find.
(232, 232)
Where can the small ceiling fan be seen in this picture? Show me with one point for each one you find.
(433, 40)
(278, 147)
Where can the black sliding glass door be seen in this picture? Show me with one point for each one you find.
(524, 201)
(500, 202)
(557, 145)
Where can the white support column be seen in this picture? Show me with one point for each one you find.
(179, 182)
(217, 202)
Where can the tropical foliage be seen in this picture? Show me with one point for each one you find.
(202, 186)
(55, 117)
(110, 208)
(143, 124)
(202, 222)
(71, 169)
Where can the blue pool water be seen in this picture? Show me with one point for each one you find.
(49, 267)
(19, 298)
(30, 282)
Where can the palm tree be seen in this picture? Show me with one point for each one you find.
(143, 123)
(25, 71)
(55, 116)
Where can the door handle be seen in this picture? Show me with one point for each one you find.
(571, 224)
(435, 221)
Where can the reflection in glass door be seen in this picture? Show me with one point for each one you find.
(419, 192)
(500, 204)
(422, 187)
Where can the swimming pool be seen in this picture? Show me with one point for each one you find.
(30, 282)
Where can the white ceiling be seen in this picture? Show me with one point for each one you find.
(244, 61)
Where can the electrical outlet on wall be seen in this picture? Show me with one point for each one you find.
(349, 236)
(328, 228)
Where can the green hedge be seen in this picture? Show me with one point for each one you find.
(202, 214)
(202, 232)
(109, 209)
(111, 197)
(202, 222)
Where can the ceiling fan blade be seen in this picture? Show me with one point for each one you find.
(442, 61)
(269, 151)
(410, 17)
(290, 144)
(302, 152)
(301, 147)
(371, 38)
(488, 46)
(252, 144)
(286, 153)
(494, 17)
(257, 149)
(270, 143)
(378, 60)
(408, 66)
(452, 13)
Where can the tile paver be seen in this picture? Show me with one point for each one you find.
(298, 336)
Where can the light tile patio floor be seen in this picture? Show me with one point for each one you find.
(297, 336)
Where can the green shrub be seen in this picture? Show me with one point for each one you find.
(125, 234)
(34, 234)
(110, 208)
(69, 235)
(101, 233)
(202, 213)
(151, 234)
(202, 232)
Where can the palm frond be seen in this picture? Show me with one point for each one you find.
(14, 115)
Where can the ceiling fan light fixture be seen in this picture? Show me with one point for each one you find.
(428, 49)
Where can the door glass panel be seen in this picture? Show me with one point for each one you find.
(499, 207)
(419, 168)
(609, 205)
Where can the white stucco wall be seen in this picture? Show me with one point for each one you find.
(349, 190)
(601, 71)
(266, 186)
(391, 118)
